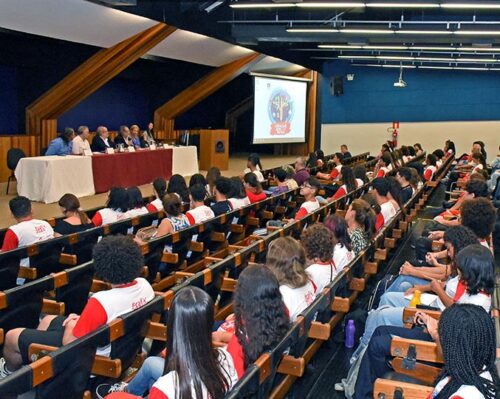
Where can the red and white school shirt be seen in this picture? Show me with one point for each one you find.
(429, 172)
(25, 233)
(105, 306)
(135, 212)
(476, 169)
(306, 208)
(464, 392)
(167, 387)
(383, 171)
(199, 214)
(359, 183)
(155, 205)
(322, 273)
(334, 174)
(342, 256)
(107, 216)
(387, 212)
(297, 300)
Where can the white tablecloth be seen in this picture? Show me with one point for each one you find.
(185, 161)
(48, 178)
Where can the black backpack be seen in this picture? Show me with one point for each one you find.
(379, 290)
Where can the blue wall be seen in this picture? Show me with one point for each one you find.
(431, 95)
(8, 99)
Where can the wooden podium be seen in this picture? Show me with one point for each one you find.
(214, 149)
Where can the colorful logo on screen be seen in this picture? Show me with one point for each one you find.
(280, 109)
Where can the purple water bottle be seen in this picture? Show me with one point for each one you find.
(349, 334)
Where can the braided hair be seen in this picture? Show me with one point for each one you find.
(467, 338)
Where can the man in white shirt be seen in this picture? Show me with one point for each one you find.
(27, 230)
(381, 189)
(80, 142)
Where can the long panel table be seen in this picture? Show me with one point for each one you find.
(130, 168)
(46, 179)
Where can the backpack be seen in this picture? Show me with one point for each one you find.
(379, 290)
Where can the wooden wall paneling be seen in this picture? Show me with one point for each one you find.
(26, 143)
(188, 98)
(87, 78)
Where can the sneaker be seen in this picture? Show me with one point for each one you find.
(4, 372)
(105, 389)
(340, 386)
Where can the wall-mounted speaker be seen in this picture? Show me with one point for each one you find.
(337, 86)
(220, 146)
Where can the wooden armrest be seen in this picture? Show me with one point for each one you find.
(386, 389)
(381, 254)
(371, 267)
(217, 237)
(229, 284)
(253, 221)
(2, 336)
(183, 275)
(267, 215)
(290, 365)
(409, 314)
(145, 271)
(67, 259)
(397, 233)
(357, 284)
(53, 307)
(319, 331)
(107, 367)
(237, 228)
(196, 246)
(422, 372)
(341, 212)
(35, 349)
(341, 305)
(390, 242)
(167, 257)
(156, 331)
(99, 285)
(29, 273)
(425, 351)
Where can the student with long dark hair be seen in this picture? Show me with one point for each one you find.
(467, 339)
(212, 175)
(395, 193)
(254, 166)
(253, 188)
(360, 219)
(359, 172)
(177, 185)
(238, 197)
(192, 368)
(135, 203)
(160, 189)
(431, 167)
(197, 178)
(342, 252)
(75, 219)
(116, 206)
(449, 148)
(349, 183)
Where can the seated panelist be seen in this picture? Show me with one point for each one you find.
(102, 141)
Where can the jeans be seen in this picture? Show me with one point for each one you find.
(375, 361)
(394, 299)
(150, 371)
(403, 282)
(383, 316)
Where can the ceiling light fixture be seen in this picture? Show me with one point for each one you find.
(312, 30)
(368, 31)
(402, 5)
(477, 32)
(429, 59)
(331, 5)
(261, 5)
(483, 6)
(423, 32)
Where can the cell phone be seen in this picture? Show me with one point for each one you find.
(426, 307)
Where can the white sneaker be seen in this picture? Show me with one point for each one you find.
(4, 372)
(105, 389)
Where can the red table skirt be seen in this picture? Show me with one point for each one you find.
(130, 168)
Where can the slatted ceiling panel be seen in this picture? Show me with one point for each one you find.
(26, 143)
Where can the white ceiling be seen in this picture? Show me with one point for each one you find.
(83, 22)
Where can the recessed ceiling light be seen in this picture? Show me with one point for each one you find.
(402, 5)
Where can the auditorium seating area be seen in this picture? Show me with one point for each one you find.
(211, 256)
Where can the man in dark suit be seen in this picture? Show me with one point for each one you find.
(124, 137)
(101, 140)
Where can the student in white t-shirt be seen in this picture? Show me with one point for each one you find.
(135, 203)
(383, 165)
(342, 250)
(254, 166)
(160, 189)
(309, 190)
(118, 261)
(198, 211)
(467, 340)
(27, 230)
(317, 241)
(381, 188)
(431, 167)
(286, 259)
(238, 197)
(116, 206)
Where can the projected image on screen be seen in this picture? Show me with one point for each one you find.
(279, 111)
